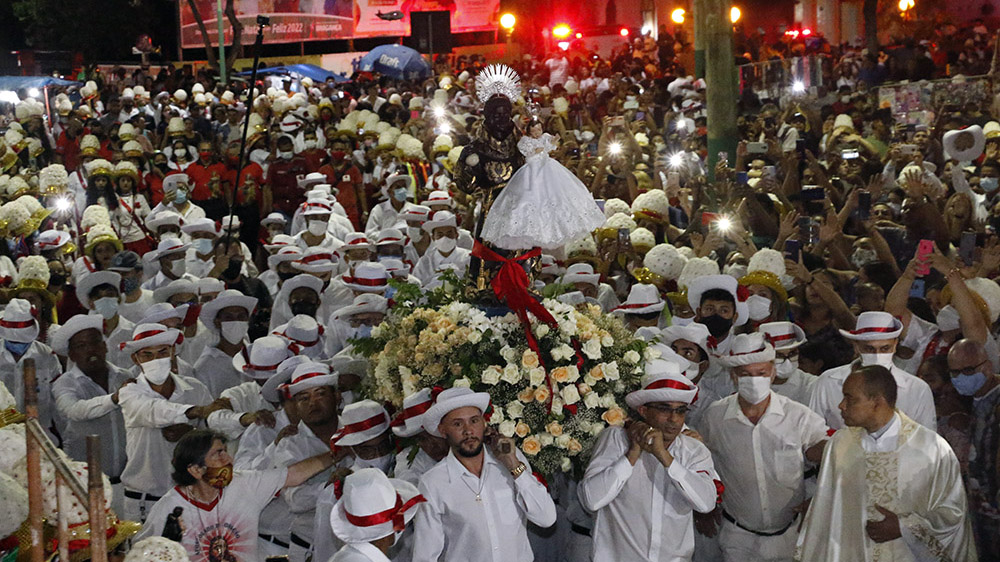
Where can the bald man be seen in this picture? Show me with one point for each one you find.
(972, 375)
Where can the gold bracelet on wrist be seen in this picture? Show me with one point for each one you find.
(518, 470)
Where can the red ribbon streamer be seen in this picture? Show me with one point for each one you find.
(394, 514)
(356, 427)
(410, 412)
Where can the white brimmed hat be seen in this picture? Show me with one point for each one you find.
(300, 332)
(694, 332)
(453, 399)
(310, 374)
(576, 298)
(168, 246)
(310, 179)
(581, 273)
(407, 422)
(873, 326)
(51, 240)
(373, 506)
(437, 198)
(415, 213)
(210, 286)
(365, 302)
(663, 382)
(274, 218)
(175, 287)
(355, 241)
(642, 299)
(227, 298)
(726, 283)
(277, 384)
(390, 236)
(311, 208)
(151, 335)
(164, 218)
(396, 267)
(286, 253)
(784, 335)
(87, 284)
(200, 225)
(748, 349)
(964, 145)
(161, 311)
(72, 327)
(316, 259)
(439, 220)
(266, 354)
(550, 266)
(18, 322)
(360, 422)
(369, 277)
(278, 242)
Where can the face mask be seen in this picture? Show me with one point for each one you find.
(107, 307)
(16, 347)
(414, 232)
(157, 370)
(202, 245)
(967, 385)
(717, 326)
(445, 245)
(754, 389)
(178, 267)
(181, 197)
(399, 194)
(285, 154)
(57, 279)
(988, 184)
(947, 319)
(786, 367)
(845, 99)
(883, 359)
(304, 307)
(205, 155)
(363, 331)
(316, 228)
(735, 270)
(678, 321)
(310, 144)
(162, 166)
(338, 155)
(759, 307)
(219, 477)
(862, 257)
(234, 332)
(383, 463)
(234, 269)
(286, 275)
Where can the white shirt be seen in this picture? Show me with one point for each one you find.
(762, 464)
(47, 369)
(256, 451)
(412, 471)
(122, 333)
(128, 217)
(193, 346)
(146, 413)
(384, 216)
(135, 311)
(798, 386)
(231, 519)
(431, 263)
(454, 526)
(645, 511)
(359, 552)
(89, 410)
(913, 396)
(215, 369)
(244, 398)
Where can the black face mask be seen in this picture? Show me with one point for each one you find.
(163, 167)
(717, 326)
(234, 268)
(304, 307)
(286, 275)
(57, 279)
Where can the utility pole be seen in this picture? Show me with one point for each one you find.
(720, 76)
(700, 11)
(222, 42)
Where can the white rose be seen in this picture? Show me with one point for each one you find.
(596, 429)
(608, 401)
(546, 439)
(491, 375)
(557, 404)
(511, 374)
(651, 354)
(536, 376)
(507, 428)
(463, 382)
(566, 465)
(562, 353)
(607, 340)
(592, 400)
(570, 395)
(589, 380)
(631, 357)
(509, 354)
(497, 417)
(563, 440)
(592, 349)
(475, 337)
(542, 330)
(377, 331)
(611, 371)
(574, 373)
(515, 409)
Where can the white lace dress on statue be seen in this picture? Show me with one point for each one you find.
(543, 205)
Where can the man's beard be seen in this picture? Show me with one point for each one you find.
(469, 453)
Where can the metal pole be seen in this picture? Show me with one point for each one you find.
(222, 41)
(720, 74)
(62, 527)
(95, 487)
(34, 461)
(180, 34)
(246, 125)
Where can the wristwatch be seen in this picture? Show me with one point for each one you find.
(518, 470)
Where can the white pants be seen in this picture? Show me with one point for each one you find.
(739, 545)
(268, 548)
(298, 554)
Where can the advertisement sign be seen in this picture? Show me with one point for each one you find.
(318, 20)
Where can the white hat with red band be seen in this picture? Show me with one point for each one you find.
(266, 354)
(210, 286)
(278, 242)
(277, 384)
(363, 303)
(396, 267)
(369, 277)
(390, 236)
(642, 299)
(200, 225)
(784, 335)
(310, 374)
(437, 198)
(18, 322)
(360, 422)
(300, 332)
(285, 254)
(407, 421)
(316, 259)
(581, 273)
(663, 382)
(415, 213)
(440, 219)
(873, 326)
(50, 240)
(167, 247)
(151, 335)
(694, 332)
(161, 311)
(373, 506)
(310, 180)
(355, 241)
(274, 218)
(449, 400)
(175, 287)
(227, 298)
(727, 283)
(748, 349)
(316, 208)
(164, 218)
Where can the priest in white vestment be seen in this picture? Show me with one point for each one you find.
(889, 489)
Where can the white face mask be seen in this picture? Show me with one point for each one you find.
(311, 144)
(947, 319)
(107, 307)
(735, 270)
(178, 267)
(754, 389)
(414, 232)
(234, 332)
(786, 367)
(884, 359)
(157, 370)
(383, 463)
(759, 307)
(445, 245)
(202, 245)
(678, 321)
(317, 228)
(285, 154)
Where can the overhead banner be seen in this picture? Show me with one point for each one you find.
(293, 21)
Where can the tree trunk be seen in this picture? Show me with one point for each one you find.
(870, 10)
(210, 55)
(236, 49)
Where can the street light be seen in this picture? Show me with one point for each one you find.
(677, 16)
(734, 14)
(561, 31)
(624, 32)
(507, 21)
(906, 5)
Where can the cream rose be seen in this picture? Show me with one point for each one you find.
(546, 439)
(614, 416)
(522, 429)
(531, 446)
(529, 360)
(515, 409)
(631, 357)
(511, 374)
(462, 383)
(491, 375)
(592, 400)
(536, 376)
(554, 428)
(542, 394)
(570, 394)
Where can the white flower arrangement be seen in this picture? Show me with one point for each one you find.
(66, 504)
(12, 447)
(13, 505)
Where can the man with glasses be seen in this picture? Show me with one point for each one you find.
(760, 443)
(972, 375)
(645, 480)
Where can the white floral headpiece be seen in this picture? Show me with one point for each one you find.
(498, 80)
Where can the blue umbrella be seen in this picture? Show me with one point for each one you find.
(18, 82)
(301, 70)
(395, 61)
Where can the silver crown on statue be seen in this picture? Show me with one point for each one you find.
(498, 80)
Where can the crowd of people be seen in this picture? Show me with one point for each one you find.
(824, 311)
